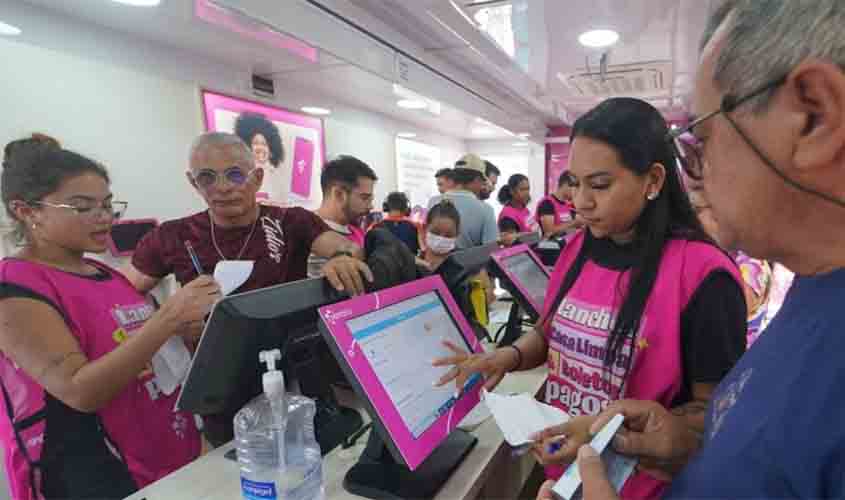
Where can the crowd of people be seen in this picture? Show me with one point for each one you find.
(651, 311)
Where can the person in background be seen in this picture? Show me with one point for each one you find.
(493, 173)
(235, 227)
(769, 94)
(478, 221)
(263, 138)
(756, 274)
(82, 405)
(444, 180)
(398, 210)
(442, 226)
(642, 304)
(556, 213)
(515, 217)
(347, 185)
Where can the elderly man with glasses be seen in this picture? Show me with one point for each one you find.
(769, 154)
(235, 227)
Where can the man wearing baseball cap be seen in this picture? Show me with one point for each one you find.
(478, 221)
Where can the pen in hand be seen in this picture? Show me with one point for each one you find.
(194, 259)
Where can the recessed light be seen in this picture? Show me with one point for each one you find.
(523, 135)
(313, 110)
(406, 135)
(139, 3)
(520, 144)
(598, 38)
(482, 131)
(9, 30)
(411, 104)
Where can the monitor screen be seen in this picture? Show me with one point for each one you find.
(386, 342)
(399, 342)
(530, 274)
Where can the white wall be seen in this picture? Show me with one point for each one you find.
(134, 105)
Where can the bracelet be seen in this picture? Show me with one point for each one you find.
(518, 357)
(339, 253)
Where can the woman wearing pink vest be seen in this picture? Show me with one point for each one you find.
(640, 305)
(555, 213)
(515, 217)
(84, 415)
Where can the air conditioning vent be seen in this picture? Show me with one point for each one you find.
(620, 80)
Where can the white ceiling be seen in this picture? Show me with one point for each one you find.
(442, 37)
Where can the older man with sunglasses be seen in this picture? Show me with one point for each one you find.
(770, 156)
(235, 227)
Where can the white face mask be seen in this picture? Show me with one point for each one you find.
(439, 244)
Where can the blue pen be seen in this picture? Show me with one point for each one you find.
(194, 259)
(553, 448)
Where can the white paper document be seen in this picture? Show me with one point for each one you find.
(231, 274)
(171, 364)
(619, 468)
(519, 416)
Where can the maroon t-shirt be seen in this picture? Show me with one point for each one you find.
(279, 246)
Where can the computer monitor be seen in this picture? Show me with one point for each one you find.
(126, 234)
(524, 275)
(225, 372)
(385, 342)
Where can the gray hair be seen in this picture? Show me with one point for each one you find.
(222, 140)
(765, 39)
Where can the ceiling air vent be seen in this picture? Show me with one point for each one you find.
(620, 80)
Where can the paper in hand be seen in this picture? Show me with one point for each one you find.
(520, 416)
(231, 274)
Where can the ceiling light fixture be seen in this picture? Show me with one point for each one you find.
(411, 104)
(482, 131)
(520, 144)
(313, 110)
(406, 135)
(139, 3)
(9, 30)
(597, 39)
(523, 135)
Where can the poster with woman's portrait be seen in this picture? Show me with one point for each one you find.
(288, 146)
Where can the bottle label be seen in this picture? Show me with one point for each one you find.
(254, 490)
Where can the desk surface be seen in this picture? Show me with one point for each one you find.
(213, 477)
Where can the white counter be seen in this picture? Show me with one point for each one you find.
(489, 471)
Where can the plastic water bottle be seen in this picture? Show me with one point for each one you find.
(278, 454)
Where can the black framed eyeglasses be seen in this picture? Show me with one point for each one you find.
(207, 178)
(691, 150)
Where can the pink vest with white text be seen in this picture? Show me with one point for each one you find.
(149, 436)
(522, 217)
(577, 336)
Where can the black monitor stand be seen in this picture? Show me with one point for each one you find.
(379, 476)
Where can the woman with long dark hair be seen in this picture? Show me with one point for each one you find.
(641, 305)
(515, 216)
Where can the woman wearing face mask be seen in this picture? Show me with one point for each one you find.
(515, 217)
(442, 227)
(640, 305)
(84, 415)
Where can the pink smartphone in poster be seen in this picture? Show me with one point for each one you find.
(303, 158)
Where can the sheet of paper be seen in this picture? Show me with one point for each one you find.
(619, 467)
(231, 274)
(171, 364)
(519, 416)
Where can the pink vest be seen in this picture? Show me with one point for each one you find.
(563, 210)
(140, 421)
(578, 334)
(356, 235)
(522, 217)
